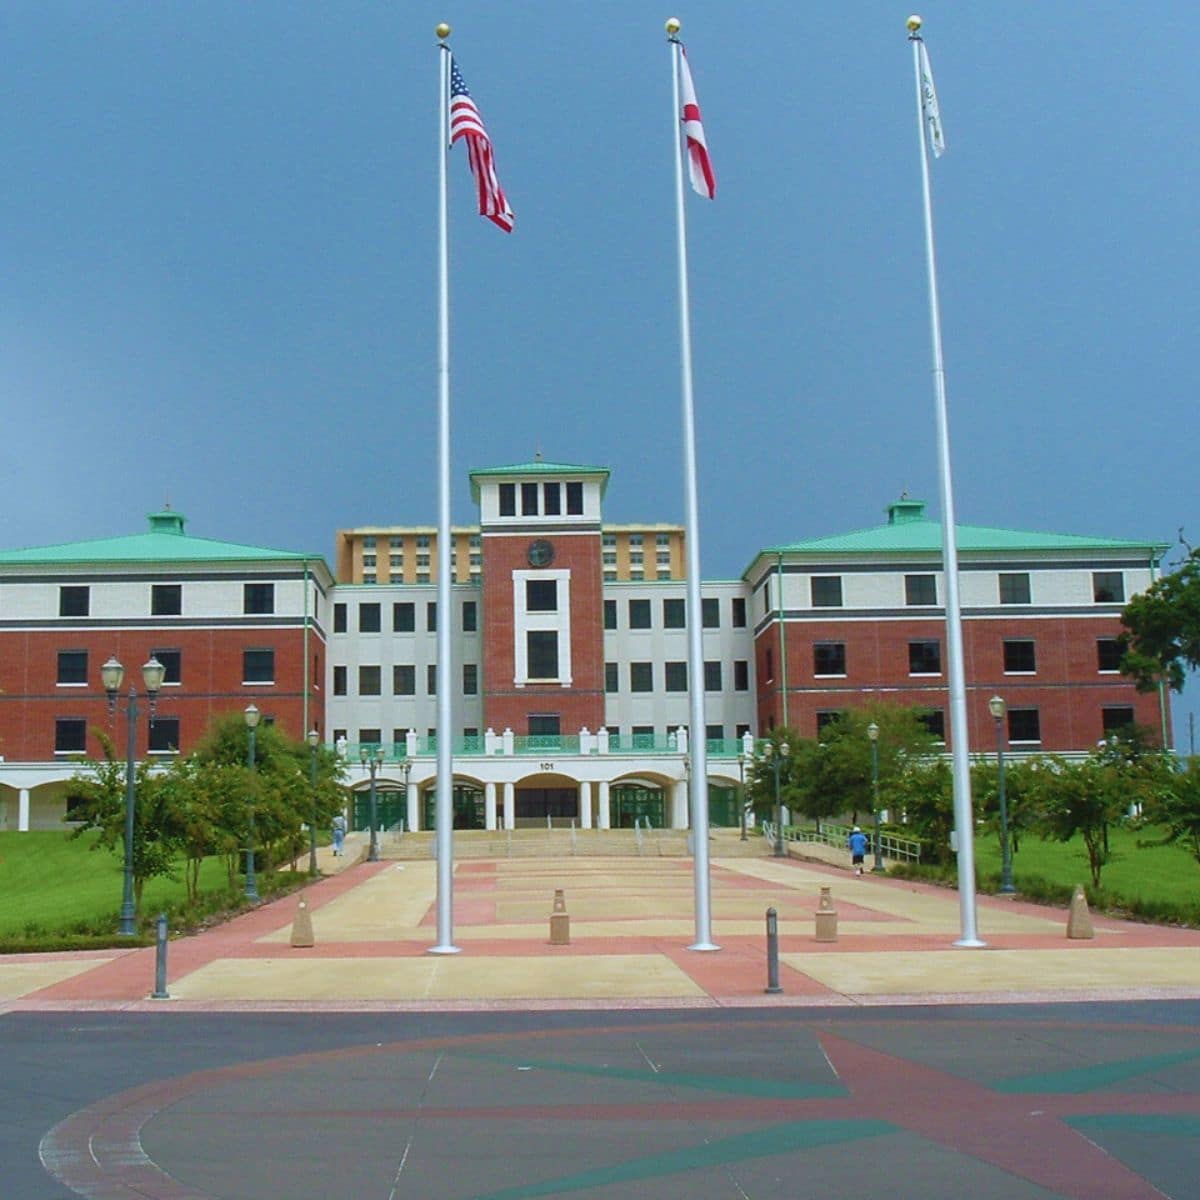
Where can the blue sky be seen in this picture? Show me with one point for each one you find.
(217, 223)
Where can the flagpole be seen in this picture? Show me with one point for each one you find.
(444, 807)
(697, 739)
(964, 821)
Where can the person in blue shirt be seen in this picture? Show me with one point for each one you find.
(858, 848)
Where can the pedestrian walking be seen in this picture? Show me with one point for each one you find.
(339, 834)
(858, 848)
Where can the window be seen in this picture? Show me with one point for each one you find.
(404, 680)
(642, 737)
(431, 679)
(1024, 725)
(769, 664)
(470, 679)
(541, 649)
(164, 735)
(338, 735)
(423, 542)
(1019, 657)
(934, 720)
(369, 542)
(370, 737)
(339, 681)
(829, 658)
(1108, 654)
(166, 599)
(610, 614)
(172, 661)
(403, 617)
(612, 677)
(431, 616)
(552, 499)
(541, 595)
(1014, 587)
(369, 681)
(739, 612)
(544, 725)
(712, 676)
(741, 675)
(1115, 717)
(676, 677)
(920, 589)
(674, 614)
(641, 677)
(740, 731)
(1108, 587)
(368, 618)
(400, 736)
(470, 616)
(508, 499)
(826, 717)
(258, 666)
(73, 601)
(714, 733)
(70, 735)
(529, 499)
(575, 499)
(924, 658)
(369, 578)
(339, 618)
(827, 591)
(72, 666)
(258, 598)
(639, 614)
(710, 613)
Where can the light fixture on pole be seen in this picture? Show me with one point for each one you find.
(873, 734)
(742, 793)
(112, 675)
(776, 761)
(371, 757)
(314, 741)
(997, 707)
(405, 771)
(252, 717)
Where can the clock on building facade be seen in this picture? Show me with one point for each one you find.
(541, 553)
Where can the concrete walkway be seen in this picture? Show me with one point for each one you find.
(631, 924)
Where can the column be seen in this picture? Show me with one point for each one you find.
(585, 803)
(489, 805)
(510, 806)
(23, 811)
(605, 818)
(679, 805)
(412, 798)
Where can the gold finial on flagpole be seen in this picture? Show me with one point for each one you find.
(442, 31)
(914, 24)
(673, 26)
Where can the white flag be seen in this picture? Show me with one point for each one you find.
(929, 104)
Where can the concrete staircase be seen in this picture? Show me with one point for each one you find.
(571, 843)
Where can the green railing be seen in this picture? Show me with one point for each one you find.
(541, 743)
(645, 743)
(546, 743)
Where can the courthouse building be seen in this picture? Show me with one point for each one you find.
(569, 650)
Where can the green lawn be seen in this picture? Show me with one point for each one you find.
(52, 881)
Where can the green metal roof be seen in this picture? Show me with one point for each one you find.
(910, 531)
(538, 467)
(166, 542)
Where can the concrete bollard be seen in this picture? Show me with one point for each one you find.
(302, 929)
(1079, 919)
(560, 922)
(826, 917)
(772, 987)
(160, 959)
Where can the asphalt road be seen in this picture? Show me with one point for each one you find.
(1021, 1102)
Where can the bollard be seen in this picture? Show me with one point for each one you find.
(1079, 918)
(160, 960)
(302, 929)
(772, 953)
(826, 918)
(560, 922)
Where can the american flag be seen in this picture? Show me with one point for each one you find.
(465, 122)
(699, 164)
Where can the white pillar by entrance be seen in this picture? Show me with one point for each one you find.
(605, 819)
(510, 806)
(23, 811)
(489, 805)
(585, 804)
(412, 795)
(679, 805)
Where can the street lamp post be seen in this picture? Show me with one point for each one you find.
(776, 761)
(252, 717)
(112, 674)
(742, 793)
(405, 771)
(314, 742)
(997, 707)
(371, 757)
(873, 734)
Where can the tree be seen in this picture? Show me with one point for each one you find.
(1162, 628)
(923, 790)
(1175, 809)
